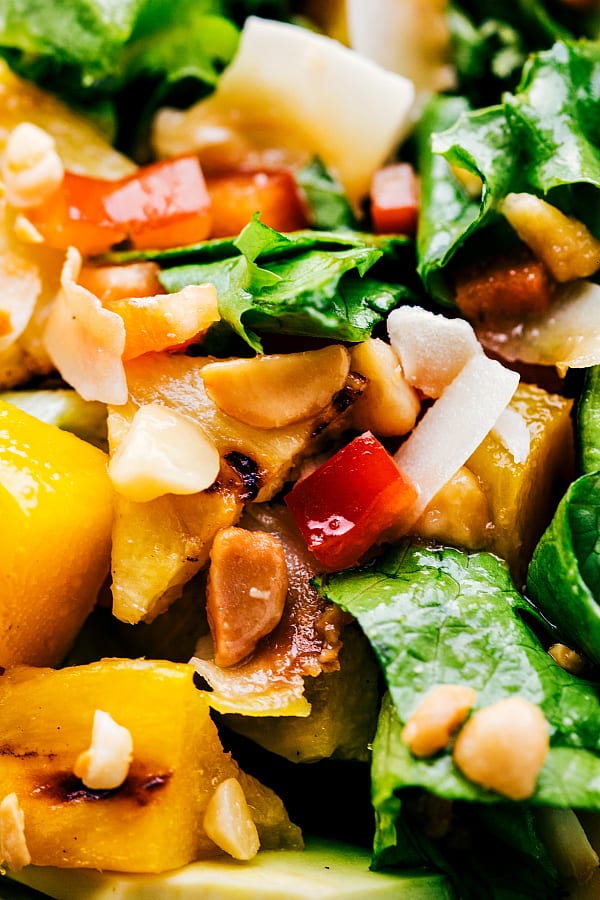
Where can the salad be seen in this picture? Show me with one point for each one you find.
(300, 449)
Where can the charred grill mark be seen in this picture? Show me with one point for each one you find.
(65, 787)
(350, 393)
(248, 472)
(7, 750)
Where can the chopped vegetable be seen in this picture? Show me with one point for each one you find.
(344, 506)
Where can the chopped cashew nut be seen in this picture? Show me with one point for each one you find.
(567, 659)
(389, 406)
(279, 389)
(31, 168)
(13, 846)
(105, 765)
(228, 823)
(564, 244)
(247, 589)
(434, 721)
(163, 452)
(503, 747)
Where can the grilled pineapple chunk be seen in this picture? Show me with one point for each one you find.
(159, 545)
(522, 495)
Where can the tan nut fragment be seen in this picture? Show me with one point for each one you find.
(567, 659)
(31, 167)
(228, 823)
(105, 765)
(13, 846)
(247, 588)
(434, 721)
(277, 390)
(562, 243)
(389, 406)
(503, 747)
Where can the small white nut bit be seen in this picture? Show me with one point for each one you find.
(105, 765)
(503, 747)
(163, 452)
(228, 822)
(31, 167)
(13, 846)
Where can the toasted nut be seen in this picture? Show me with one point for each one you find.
(228, 823)
(104, 766)
(247, 588)
(274, 391)
(437, 717)
(163, 453)
(567, 659)
(31, 167)
(562, 243)
(459, 513)
(503, 747)
(388, 406)
(13, 846)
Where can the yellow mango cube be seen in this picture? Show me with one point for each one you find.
(56, 512)
(153, 821)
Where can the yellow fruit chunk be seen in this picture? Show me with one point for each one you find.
(153, 821)
(522, 495)
(80, 144)
(56, 510)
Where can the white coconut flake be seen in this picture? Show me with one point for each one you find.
(432, 349)
(512, 431)
(454, 426)
(86, 341)
(320, 95)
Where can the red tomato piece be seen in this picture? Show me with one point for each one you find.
(395, 200)
(237, 196)
(344, 506)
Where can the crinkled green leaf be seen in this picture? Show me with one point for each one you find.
(564, 574)
(441, 616)
(588, 421)
(310, 283)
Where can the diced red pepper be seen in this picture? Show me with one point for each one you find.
(237, 196)
(395, 200)
(344, 506)
(165, 204)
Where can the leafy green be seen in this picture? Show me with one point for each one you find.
(326, 199)
(543, 139)
(588, 420)
(441, 616)
(127, 52)
(564, 573)
(500, 854)
(308, 284)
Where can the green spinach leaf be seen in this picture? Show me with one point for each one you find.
(588, 422)
(564, 574)
(310, 283)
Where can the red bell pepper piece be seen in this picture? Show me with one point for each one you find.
(344, 506)
(236, 196)
(395, 200)
(165, 204)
